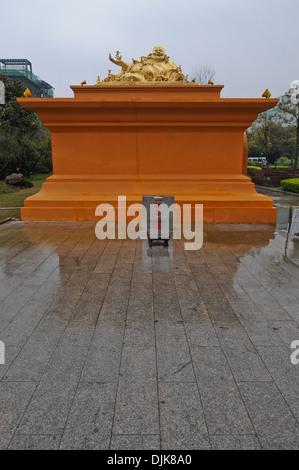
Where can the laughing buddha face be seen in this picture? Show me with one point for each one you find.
(158, 52)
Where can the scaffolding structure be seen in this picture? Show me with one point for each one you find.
(22, 69)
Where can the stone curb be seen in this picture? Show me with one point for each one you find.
(286, 193)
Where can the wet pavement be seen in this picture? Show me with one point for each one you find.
(112, 345)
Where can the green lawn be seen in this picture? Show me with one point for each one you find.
(11, 198)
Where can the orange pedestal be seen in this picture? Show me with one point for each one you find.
(134, 140)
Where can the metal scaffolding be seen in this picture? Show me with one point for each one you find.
(22, 69)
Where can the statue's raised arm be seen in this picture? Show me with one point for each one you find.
(118, 61)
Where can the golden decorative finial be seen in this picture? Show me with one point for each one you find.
(27, 93)
(98, 80)
(266, 94)
(118, 56)
(83, 83)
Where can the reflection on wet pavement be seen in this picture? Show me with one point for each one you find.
(287, 224)
(112, 345)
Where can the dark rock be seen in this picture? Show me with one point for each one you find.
(15, 179)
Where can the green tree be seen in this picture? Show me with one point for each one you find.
(289, 116)
(255, 148)
(260, 138)
(282, 140)
(24, 142)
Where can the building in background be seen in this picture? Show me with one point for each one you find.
(22, 69)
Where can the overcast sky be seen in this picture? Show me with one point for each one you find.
(252, 44)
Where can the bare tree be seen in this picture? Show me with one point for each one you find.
(203, 74)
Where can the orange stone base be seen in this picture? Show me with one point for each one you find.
(179, 140)
(231, 200)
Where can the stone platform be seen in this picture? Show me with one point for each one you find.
(134, 140)
(110, 345)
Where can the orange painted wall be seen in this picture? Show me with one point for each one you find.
(130, 140)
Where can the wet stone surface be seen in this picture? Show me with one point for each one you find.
(112, 345)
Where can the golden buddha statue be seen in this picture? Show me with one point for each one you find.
(156, 67)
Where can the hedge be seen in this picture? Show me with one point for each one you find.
(250, 167)
(290, 185)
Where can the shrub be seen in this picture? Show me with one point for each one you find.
(290, 185)
(283, 162)
(250, 167)
(280, 167)
(254, 163)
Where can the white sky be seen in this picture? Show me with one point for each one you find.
(252, 44)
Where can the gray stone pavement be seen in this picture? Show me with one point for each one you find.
(112, 345)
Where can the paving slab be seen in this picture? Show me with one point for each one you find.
(110, 344)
